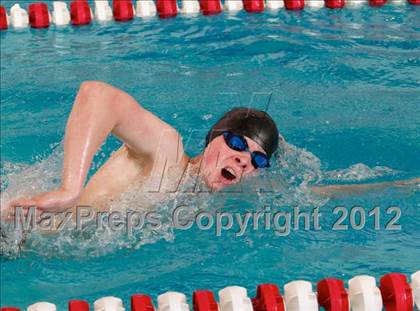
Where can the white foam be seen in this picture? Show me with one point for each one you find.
(359, 172)
(289, 178)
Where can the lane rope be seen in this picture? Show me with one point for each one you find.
(393, 294)
(38, 14)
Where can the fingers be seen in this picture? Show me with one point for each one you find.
(9, 212)
(22, 203)
(7, 215)
(44, 202)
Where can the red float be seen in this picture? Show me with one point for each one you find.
(334, 4)
(254, 6)
(210, 7)
(396, 292)
(166, 8)
(78, 305)
(332, 295)
(268, 298)
(203, 300)
(414, 2)
(3, 20)
(9, 309)
(294, 4)
(377, 3)
(80, 12)
(123, 10)
(141, 302)
(38, 15)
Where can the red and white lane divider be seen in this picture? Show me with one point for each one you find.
(170, 301)
(80, 12)
(393, 294)
(298, 295)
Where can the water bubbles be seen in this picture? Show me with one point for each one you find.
(358, 172)
(287, 183)
(207, 117)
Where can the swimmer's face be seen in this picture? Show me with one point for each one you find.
(223, 166)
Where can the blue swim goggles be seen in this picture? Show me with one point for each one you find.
(238, 143)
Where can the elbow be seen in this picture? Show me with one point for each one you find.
(95, 94)
(88, 87)
(100, 96)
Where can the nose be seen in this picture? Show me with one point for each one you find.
(243, 160)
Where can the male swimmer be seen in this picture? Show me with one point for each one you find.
(240, 143)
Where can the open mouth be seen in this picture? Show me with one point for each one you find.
(228, 173)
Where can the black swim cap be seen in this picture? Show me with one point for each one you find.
(254, 123)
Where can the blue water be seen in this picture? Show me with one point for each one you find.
(342, 85)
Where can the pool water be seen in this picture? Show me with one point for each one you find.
(342, 85)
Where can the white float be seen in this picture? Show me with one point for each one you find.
(190, 7)
(364, 294)
(18, 17)
(233, 6)
(172, 301)
(355, 3)
(108, 304)
(60, 13)
(298, 295)
(314, 4)
(145, 8)
(103, 11)
(42, 306)
(274, 5)
(415, 286)
(234, 298)
(398, 2)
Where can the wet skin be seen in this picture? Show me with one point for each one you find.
(152, 149)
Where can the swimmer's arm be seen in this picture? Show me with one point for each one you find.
(101, 109)
(342, 190)
(98, 111)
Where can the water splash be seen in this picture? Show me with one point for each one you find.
(290, 177)
(358, 172)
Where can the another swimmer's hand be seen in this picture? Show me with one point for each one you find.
(55, 201)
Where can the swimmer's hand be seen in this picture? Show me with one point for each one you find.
(54, 201)
(335, 190)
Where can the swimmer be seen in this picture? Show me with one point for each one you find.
(238, 145)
